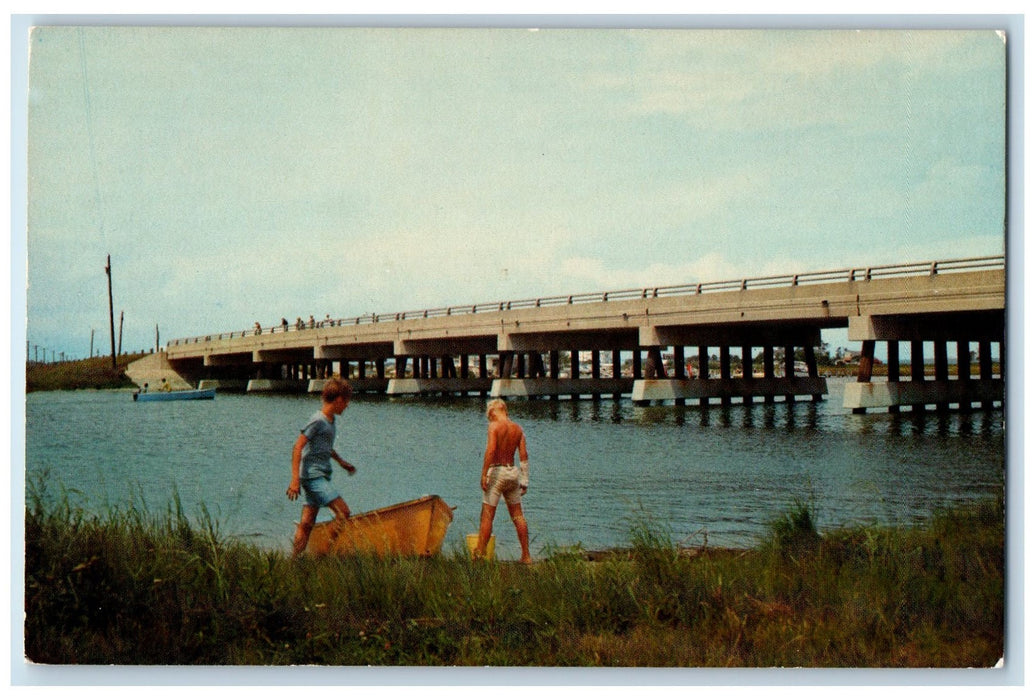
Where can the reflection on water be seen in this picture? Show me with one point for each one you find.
(721, 472)
(783, 416)
(973, 423)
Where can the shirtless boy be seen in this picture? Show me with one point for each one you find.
(501, 477)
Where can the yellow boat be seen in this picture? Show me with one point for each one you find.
(413, 528)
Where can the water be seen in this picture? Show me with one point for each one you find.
(597, 467)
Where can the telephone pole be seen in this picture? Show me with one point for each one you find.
(111, 315)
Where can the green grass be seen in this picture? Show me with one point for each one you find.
(92, 373)
(131, 588)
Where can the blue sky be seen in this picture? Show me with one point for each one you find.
(247, 174)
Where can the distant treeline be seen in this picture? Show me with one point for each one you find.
(92, 373)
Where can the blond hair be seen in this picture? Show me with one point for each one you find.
(495, 405)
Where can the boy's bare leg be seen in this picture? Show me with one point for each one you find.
(340, 508)
(484, 530)
(518, 516)
(305, 527)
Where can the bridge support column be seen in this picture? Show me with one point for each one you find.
(655, 368)
(865, 373)
(616, 370)
(921, 391)
(506, 364)
(448, 368)
(941, 367)
(747, 371)
(726, 387)
(536, 366)
(985, 367)
(438, 385)
(725, 374)
(813, 368)
(788, 366)
(550, 387)
(703, 369)
(893, 368)
(768, 368)
(679, 368)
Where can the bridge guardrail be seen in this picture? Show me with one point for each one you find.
(852, 274)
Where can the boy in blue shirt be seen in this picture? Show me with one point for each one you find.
(311, 463)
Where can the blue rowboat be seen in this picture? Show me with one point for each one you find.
(187, 394)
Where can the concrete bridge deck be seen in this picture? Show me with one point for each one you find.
(634, 342)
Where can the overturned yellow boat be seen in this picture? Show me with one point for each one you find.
(413, 528)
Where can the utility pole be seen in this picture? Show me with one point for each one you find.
(122, 317)
(156, 338)
(91, 342)
(111, 315)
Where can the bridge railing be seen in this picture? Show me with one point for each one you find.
(851, 274)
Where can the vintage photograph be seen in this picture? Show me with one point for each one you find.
(568, 347)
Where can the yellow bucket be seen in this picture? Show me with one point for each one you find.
(490, 547)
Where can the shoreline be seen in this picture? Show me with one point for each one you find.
(113, 591)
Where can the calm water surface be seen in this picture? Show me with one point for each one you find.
(597, 467)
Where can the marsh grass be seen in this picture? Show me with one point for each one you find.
(91, 373)
(130, 588)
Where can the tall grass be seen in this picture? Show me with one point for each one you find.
(91, 373)
(130, 588)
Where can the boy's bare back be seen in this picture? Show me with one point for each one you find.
(505, 438)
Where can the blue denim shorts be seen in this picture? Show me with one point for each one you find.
(319, 492)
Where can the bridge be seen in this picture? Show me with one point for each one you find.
(650, 344)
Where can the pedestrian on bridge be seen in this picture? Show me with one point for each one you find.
(311, 463)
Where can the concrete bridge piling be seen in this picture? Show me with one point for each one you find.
(970, 336)
(651, 345)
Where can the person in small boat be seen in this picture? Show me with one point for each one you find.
(311, 463)
(502, 478)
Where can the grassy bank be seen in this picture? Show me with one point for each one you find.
(129, 588)
(92, 373)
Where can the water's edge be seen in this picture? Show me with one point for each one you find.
(715, 475)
